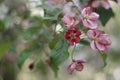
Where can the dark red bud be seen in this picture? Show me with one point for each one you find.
(31, 66)
(48, 62)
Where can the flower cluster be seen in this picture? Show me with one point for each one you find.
(75, 14)
(98, 40)
(89, 19)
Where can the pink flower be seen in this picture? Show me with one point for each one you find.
(76, 65)
(10, 57)
(56, 2)
(89, 18)
(72, 8)
(102, 3)
(69, 21)
(72, 36)
(26, 24)
(118, 2)
(98, 40)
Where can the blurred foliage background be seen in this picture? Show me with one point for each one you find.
(22, 31)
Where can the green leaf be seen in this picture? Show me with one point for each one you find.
(104, 57)
(47, 34)
(85, 42)
(36, 21)
(69, 0)
(105, 14)
(13, 48)
(26, 14)
(83, 1)
(23, 56)
(4, 48)
(58, 55)
(53, 42)
(1, 25)
(28, 34)
(49, 12)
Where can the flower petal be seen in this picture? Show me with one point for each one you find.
(101, 47)
(75, 23)
(92, 24)
(86, 11)
(71, 68)
(90, 34)
(86, 23)
(81, 61)
(70, 42)
(104, 39)
(78, 33)
(95, 3)
(105, 4)
(93, 45)
(66, 19)
(79, 67)
(77, 39)
(94, 16)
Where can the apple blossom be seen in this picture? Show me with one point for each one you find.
(76, 65)
(69, 21)
(26, 24)
(102, 3)
(118, 2)
(72, 36)
(56, 2)
(89, 18)
(98, 40)
(72, 8)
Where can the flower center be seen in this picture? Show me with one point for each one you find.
(95, 39)
(72, 35)
(87, 17)
(70, 23)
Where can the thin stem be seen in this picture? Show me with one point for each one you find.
(72, 57)
(103, 55)
(99, 51)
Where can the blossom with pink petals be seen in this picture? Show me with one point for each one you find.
(72, 36)
(69, 21)
(102, 3)
(118, 2)
(89, 18)
(72, 8)
(56, 2)
(76, 65)
(98, 40)
(26, 24)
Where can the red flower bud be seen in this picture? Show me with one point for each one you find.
(48, 62)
